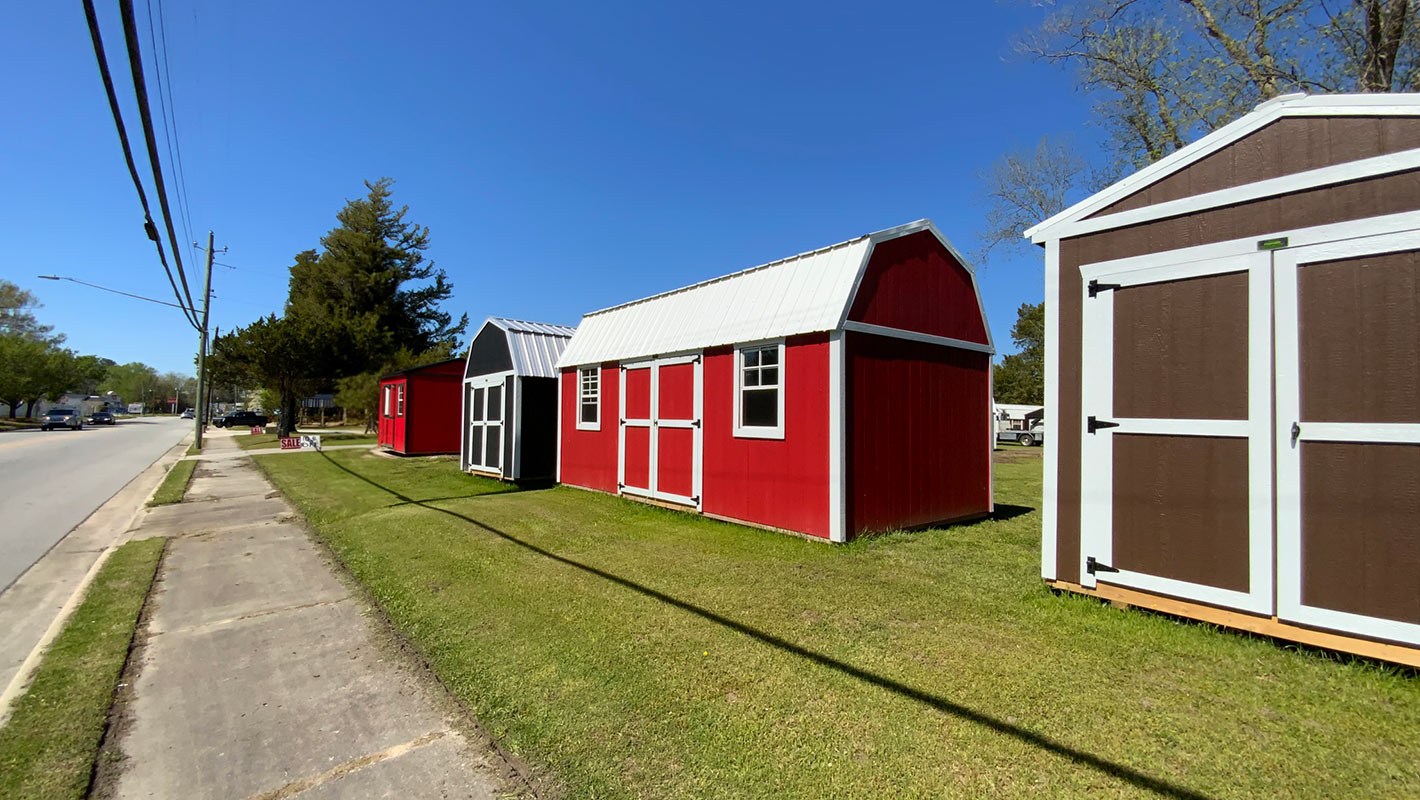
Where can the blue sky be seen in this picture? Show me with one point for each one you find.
(565, 157)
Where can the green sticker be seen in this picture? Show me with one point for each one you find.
(1272, 244)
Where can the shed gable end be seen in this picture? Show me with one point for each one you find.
(488, 353)
(915, 283)
(1285, 147)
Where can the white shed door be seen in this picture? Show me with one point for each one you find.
(486, 404)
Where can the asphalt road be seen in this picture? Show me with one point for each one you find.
(54, 479)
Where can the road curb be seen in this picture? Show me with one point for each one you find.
(21, 680)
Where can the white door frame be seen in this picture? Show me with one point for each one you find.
(486, 382)
(1289, 466)
(653, 422)
(1097, 449)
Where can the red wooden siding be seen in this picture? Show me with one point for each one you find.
(589, 457)
(432, 407)
(675, 447)
(778, 482)
(915, 284)
(918, 448)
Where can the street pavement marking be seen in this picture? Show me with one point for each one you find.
(296, 787)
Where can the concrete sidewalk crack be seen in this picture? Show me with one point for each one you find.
(254, 615)
(353, 765)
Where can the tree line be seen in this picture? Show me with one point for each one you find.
(1160, 74)
(35, 365)
(364, 303)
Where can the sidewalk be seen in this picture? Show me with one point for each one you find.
(262, 678)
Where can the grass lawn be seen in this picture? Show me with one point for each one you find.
(19, 423)
(48, 747)
(193, 449)
(174, 484)
(248, 441)
(638, 652)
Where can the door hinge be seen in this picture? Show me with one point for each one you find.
(1092, 424)
(1092, 566)
(695, 423)
(695, 499)
(621, 486)
(1296, 433)
(1096, 287)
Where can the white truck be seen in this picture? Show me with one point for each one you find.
(1026, 438)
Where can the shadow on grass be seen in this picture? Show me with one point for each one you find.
(1124, 773)
(1005, 511)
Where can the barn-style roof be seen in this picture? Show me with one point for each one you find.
(532, 347)
(1103, 210)
(807, 293)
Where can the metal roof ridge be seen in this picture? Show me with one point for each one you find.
(505, 322)
(726, 277)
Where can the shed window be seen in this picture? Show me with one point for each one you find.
(589, 396)
(389, 401)
(399, 400)
(759, 391)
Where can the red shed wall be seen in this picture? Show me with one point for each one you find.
(778, 482)
(588, 458)
(432, 409)
(918, 446)
(391, 429)
(914, 283)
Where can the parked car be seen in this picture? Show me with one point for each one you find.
(1034, 436)
(187, 413)
(100, 418)
(241, 419)
(61, 418)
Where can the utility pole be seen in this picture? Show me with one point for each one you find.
(200, 417)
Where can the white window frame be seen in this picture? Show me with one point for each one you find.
(399, 399)
(759, 431)
(595, 370)
(389, 401)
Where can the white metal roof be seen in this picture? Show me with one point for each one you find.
(1289, 105)
(806, 293)
(533, 346)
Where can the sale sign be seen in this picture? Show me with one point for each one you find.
(300, 443)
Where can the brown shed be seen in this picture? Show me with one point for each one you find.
(1233, 370)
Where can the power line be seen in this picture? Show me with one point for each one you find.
(165, 79)
(149, 228)
(140, 88)
(106, 289)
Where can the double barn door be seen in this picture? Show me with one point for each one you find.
(1220, 393)
(486, 402)
(660, 429)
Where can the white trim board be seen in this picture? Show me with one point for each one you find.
(1050, 478)
(837, 454)
(914, 336)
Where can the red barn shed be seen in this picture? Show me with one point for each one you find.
(839, 391)
(419, 409)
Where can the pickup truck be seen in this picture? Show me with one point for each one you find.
(241, 419)
(1034, 436)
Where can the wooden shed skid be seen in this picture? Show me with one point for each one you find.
(1236, 620)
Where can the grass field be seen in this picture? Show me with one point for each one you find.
(638, 652)
(174, 485)
(48, 747)
(19, 423)
(248, 441)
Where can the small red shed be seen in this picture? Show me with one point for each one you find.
(835, 392)
(419, 409)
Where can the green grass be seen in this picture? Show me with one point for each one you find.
(19, 423)
(48, 748)
(646, 653)
(248, 441)
(193, 449)
(174, 484)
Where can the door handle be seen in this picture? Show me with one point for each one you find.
(1296, 432)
